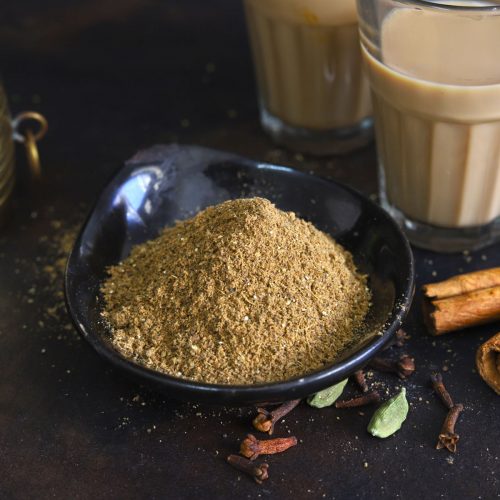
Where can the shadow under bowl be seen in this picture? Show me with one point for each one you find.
(164, 184)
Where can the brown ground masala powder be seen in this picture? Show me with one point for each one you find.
(239, 294)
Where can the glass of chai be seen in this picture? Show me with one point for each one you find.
(434, 70)
(314, 97)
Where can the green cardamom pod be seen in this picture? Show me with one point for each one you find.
(389, 417)
(328, 396)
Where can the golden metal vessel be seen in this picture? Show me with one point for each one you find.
(10, 131)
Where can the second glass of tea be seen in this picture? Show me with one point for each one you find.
(314, 97)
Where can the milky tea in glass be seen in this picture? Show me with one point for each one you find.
(314, 96)
(434, 70)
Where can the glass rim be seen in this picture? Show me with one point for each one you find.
(448, 6)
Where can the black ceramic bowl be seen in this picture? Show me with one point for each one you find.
(167, 183)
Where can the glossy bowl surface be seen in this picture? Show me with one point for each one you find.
(167, 183)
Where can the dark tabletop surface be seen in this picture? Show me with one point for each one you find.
(114, 77)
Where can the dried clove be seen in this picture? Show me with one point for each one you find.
(444, 395)
(251, 447)
(398, 340)
(448, 438)
(266, 420)
(406, 365)
(403, 367)
(365, 399)
(258, 472)
(360, 379)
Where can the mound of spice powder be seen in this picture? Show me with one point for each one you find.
(239, 294)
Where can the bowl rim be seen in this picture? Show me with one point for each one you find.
(262, 391)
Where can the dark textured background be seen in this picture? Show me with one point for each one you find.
(113, 77)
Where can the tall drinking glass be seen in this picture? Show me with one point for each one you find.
(434, 71)
(314, 96)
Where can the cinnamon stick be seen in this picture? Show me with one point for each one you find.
(463, 311)
(462, 301)
(488, 362)
(463, 283)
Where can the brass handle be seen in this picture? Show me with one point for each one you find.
(30, 138)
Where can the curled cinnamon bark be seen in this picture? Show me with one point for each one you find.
(463, 283)
(488, 362)
(462, 301)
(463, 311)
